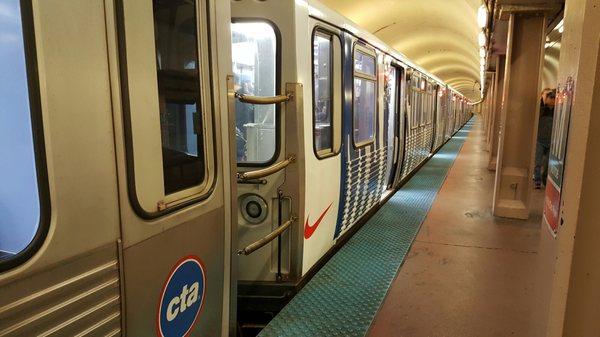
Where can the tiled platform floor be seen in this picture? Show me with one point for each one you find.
(468, 273)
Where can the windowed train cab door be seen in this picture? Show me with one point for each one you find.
(323, 140)
(267, 140)
(363, 154)
(437, 118)
(174, 163)
(449, 114)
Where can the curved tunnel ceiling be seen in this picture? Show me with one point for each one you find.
(439, 35)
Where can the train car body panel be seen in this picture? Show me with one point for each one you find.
(41, 295)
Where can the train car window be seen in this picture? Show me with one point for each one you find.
(391, 91)
(254, 56)
(23, 224)
(424, 102)
(429, 116)
(167, 106)
(417, 103)
(415, 100)
(391, 111)
(365, 96)
(434, 102)
(323, 92)
(364, 63)
(179, 91)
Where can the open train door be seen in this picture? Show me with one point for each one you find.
(401, 126)
(173, 156)
(269, 142)
(393, 122)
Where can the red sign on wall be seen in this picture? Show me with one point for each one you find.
(558, 150)
(552, 206)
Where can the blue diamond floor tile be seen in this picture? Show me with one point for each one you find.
(343, 298)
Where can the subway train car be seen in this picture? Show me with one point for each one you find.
(329, 122)
(116, 199)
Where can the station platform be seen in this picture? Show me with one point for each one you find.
(432, 261)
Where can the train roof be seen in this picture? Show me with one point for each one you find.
(320, 11)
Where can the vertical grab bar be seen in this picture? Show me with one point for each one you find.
(279, 217)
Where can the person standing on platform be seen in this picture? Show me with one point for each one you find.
(544, 137)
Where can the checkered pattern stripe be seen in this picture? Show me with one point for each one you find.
(449, 126)
(418, 146)
(364, 184)
(439, 134)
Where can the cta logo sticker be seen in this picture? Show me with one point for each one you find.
(182, 298)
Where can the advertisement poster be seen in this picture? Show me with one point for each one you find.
(558, 146)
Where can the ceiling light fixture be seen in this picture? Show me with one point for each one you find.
(560, 26)
(482, 16)
(482, 39)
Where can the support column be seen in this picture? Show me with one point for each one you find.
(525, 48)
(489, 99)
(574, 254)
(496, 113)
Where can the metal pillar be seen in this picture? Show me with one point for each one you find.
(520, 111)
(496, 112)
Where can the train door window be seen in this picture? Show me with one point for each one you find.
(326, 107)
(254, 56)
(430, 98)
(423, 102)
(391, 94)
(436, 102)
(168, 112)
(391, 111)
(419, 94)
(423, 94)
(430, 102)
(364, 100)
(414, 100)
(23, 225)
(179, 95)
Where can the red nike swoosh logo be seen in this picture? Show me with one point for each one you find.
(309, 230)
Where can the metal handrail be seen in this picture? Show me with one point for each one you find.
(270, 237)
(263, 100)
(267, 171)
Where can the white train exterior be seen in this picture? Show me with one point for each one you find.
(363, 118)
